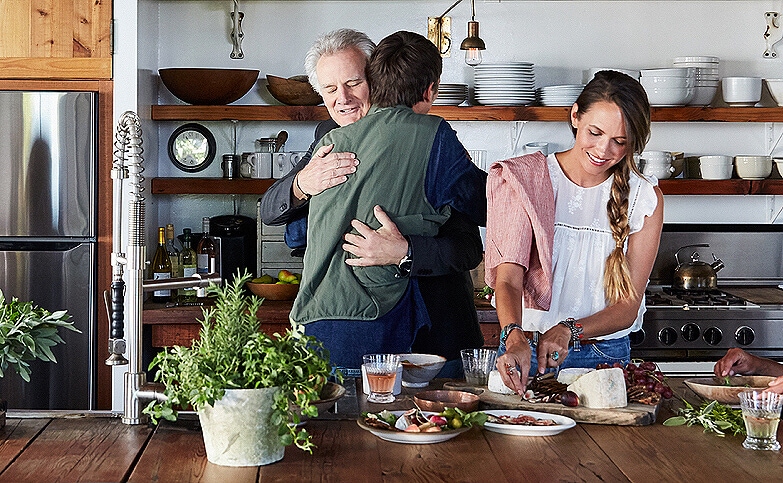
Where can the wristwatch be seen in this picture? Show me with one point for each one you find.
(576, 332)
(405, 264)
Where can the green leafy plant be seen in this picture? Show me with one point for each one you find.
(28, 332)
(232, 353)
(712, 415)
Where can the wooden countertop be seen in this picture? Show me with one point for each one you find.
(104, 449)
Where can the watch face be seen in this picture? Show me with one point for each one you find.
(192, 147)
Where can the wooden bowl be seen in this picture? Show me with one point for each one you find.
(294, 91)
(208, 87)
(274, 291)
(437, 401)
(715, 388)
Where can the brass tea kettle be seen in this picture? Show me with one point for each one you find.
(695, 274)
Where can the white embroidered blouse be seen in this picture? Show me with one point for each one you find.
(582, 242)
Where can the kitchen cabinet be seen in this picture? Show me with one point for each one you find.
(67, 39)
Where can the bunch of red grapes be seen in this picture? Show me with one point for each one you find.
(644, 374)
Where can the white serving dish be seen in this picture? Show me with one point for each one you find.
(419, 369)
(563, 423)
(715, 167)
(703, 95)
(395, 436)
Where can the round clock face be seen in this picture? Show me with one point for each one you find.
(192, 147)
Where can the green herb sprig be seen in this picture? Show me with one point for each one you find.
(28, 332)
(232, 353)
(713, 416)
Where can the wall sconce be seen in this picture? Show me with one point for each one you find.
(236, 32)
(473, 45)
(439, 33)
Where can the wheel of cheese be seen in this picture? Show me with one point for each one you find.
(604, 388)
(495, 384)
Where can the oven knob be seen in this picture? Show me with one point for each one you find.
(744, 335)
(713, 336)
(667, 336)
(637, 337)
(690, 332)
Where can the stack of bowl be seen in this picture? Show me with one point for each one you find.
(715, 167)
(668, 87)
(705, 74)
(656, 163)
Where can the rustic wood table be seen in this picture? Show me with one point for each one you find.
(102, 449)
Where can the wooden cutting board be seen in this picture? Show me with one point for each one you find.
(634, 414)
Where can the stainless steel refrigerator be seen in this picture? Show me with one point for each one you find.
(48, 235)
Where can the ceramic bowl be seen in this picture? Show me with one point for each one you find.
(741, 91)
(293, 91)
(274, 291)
(437, 401)
(419, 369)
(208, 87)
(703, 95)
(775, 87)
(715, 167)
(666, 81)
(753, 167)
(665, 96)
(330, 394)
(778, 167)
(670, 71)
(716, 389)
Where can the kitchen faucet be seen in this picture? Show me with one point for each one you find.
(128, 164)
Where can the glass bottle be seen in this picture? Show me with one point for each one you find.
(161, 267)
(188, 264)
(173, 251)
(206, 255)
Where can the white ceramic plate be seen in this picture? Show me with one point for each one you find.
(411, 438)
(563, 423)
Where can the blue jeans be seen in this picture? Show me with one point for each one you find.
(606, 351)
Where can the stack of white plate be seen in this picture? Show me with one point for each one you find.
(706, 74)
(511, 84)
(451, 94)
(561, 95)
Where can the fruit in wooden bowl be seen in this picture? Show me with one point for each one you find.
(726, 390)
(284, 287)
(437, 401)
(294, 91)
(208, 87)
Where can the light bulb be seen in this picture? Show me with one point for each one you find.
(473, 56)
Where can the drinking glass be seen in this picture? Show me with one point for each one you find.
(761, 412)
(381, 372)
(478, 363)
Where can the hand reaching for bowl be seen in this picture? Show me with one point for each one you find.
(325, 170)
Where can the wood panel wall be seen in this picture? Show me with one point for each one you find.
(55, 39)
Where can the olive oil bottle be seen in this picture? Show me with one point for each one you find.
(188, 264)
(160, 268)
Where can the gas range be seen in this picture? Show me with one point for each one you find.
(702, 325)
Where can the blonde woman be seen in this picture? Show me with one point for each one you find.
(572, 237)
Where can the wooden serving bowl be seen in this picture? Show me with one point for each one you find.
(294, 91)
(208, 87)
(274, 291)
(437, 401)
(715, 388)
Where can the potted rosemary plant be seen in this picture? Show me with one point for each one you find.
(27, 332)
(248, 388)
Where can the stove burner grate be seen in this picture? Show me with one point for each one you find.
(695, 298)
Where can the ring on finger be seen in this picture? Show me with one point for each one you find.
(555, 356)
(510, 369)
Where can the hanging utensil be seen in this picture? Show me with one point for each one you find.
(282, 137)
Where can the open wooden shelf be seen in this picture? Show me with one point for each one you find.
(455, 113)
(210, 186)
(721, 187)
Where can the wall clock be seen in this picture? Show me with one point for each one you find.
(192, 147)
